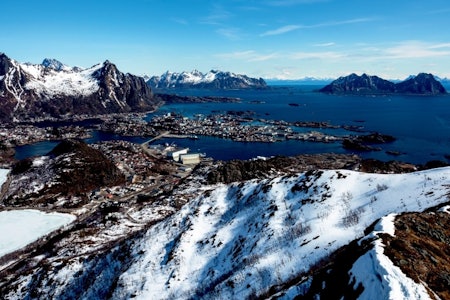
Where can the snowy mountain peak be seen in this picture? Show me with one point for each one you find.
(213, 79)
(24, 85)
(54, 64)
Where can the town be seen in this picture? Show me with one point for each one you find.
(241, 127)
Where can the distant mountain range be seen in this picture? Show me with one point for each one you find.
(422, 84)
(214, 79)
(52, 89)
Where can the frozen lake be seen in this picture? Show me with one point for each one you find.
(21, 227)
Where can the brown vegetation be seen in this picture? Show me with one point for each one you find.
(421, 248)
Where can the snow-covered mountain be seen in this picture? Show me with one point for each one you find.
(214, 79)
(323, 233)
(54, 89)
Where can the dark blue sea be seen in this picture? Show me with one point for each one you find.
(421, 124)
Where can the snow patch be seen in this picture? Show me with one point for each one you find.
(445, 209)
(3, 176)
(21, 227)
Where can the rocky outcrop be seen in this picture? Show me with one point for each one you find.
(422, 84)
(366, 142)
(212, 80)
(55, 90)
(62, 178)
(238, 170)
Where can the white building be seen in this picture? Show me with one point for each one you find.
(175, 154)
(190, 159)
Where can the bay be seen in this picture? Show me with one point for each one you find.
(421, 124)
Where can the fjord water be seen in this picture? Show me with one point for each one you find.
(421, 124)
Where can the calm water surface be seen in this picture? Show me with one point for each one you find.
(421, 124)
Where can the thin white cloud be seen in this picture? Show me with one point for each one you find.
(229, 33)
(217, 16)
(281, 30)
(249, 56)
(416, 49)
(325, 44)
(318, 55)
(439, 46)
(293, 27)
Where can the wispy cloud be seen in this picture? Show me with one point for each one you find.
(281, 30)
(317, 55)
(217, 16)
(417, 49)
(230, 33)
(293, 27)
(325, 44)
(249, 56)
(440, 46)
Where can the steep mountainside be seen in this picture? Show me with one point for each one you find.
(309, 235)
(53, 89)
(422, 84)
(212, 80)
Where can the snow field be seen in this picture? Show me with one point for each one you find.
(21, 227)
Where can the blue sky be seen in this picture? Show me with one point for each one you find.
(285, 39)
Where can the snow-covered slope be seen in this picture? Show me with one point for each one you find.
(213, 79)
(238, 241)
(55, 80)
(264, 238)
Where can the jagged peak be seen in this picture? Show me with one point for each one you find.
(53, 64)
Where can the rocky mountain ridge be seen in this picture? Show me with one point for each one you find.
(422, 84)
(52, 89)
(213, 79)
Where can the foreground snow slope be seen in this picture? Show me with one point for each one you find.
(239, 240)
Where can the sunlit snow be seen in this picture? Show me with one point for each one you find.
(21, 227)
(243, 238)
(52, 83)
